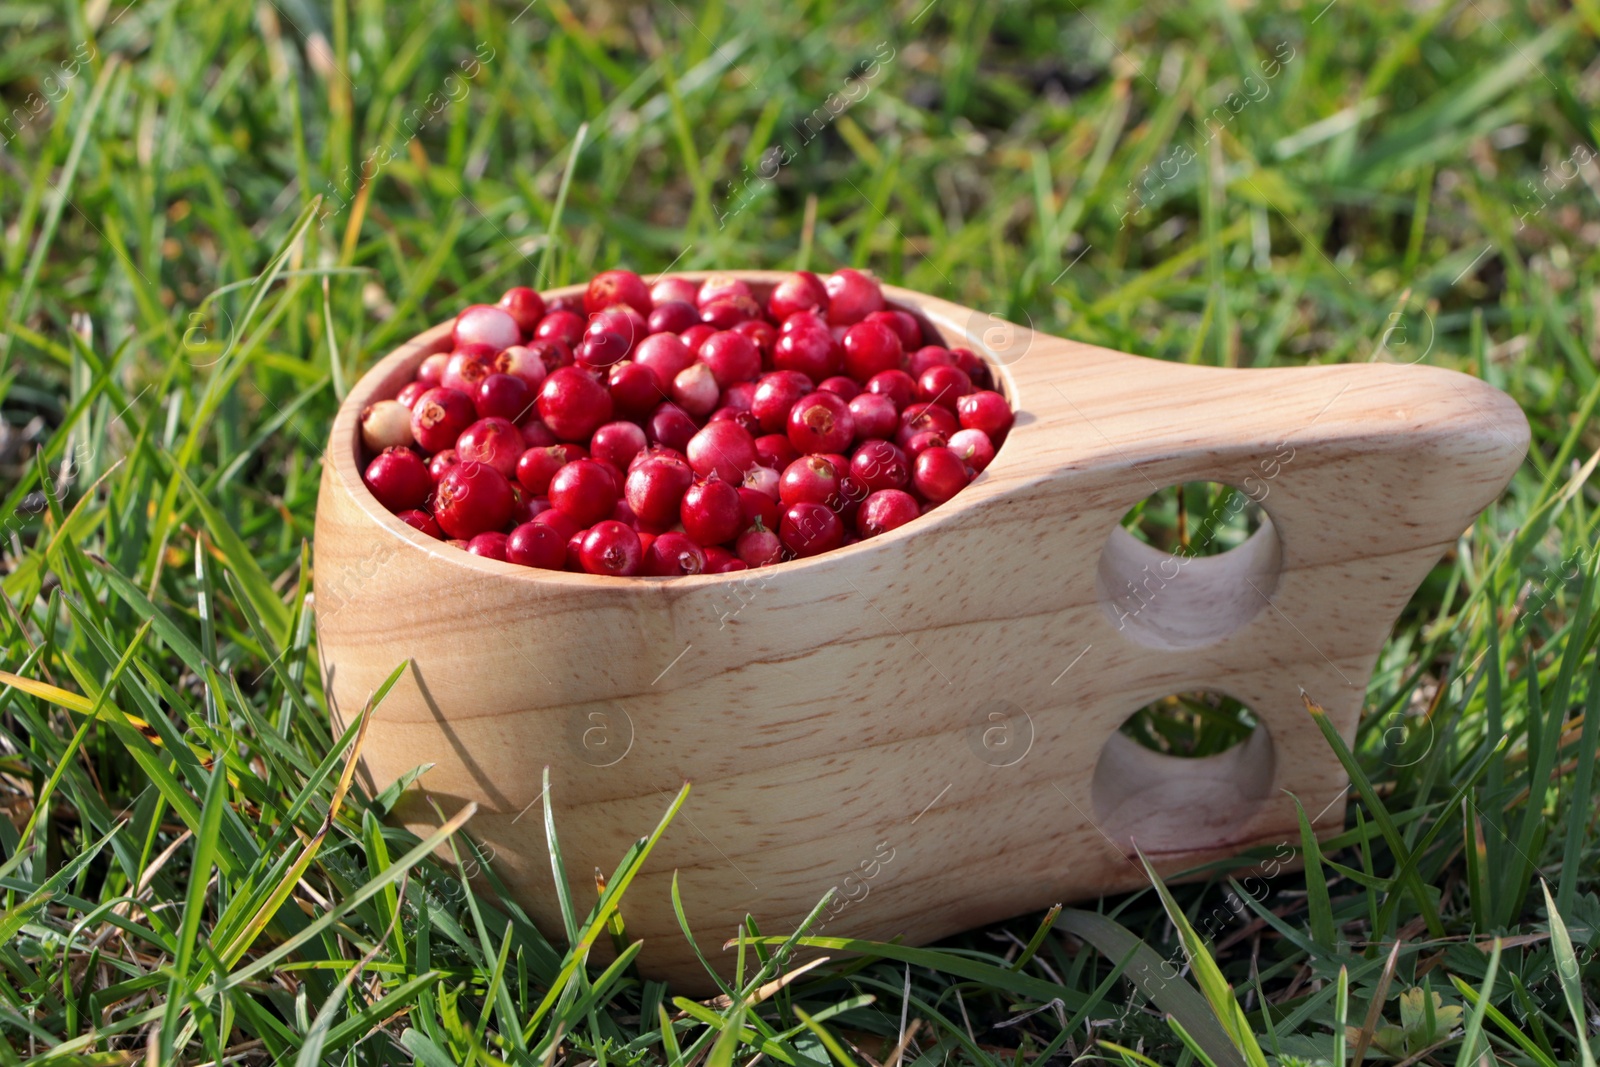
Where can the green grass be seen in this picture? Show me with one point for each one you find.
(186, 878)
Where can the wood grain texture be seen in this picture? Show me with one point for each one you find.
(938, 706)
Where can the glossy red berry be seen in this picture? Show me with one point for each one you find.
(485, 324)
(635, 390)
(491, 545)
(655, 489)
(674, 316)
(430, 372)
(721, 287)
(763, 480)
(759, 547)
(800, 291)
(761, 332)
(812, 352)
(919, 417)
(536, 466)
(776, 393)
(421, 521)
(810, 478)
(674, 287)
(466, 367)
(905, 327)
(666, 355)
(696, 335)
(720, 561)
(727, 312)
(494, 441)
(399, 479)
(973, 448)
(611, 548)
(439, 416)
(943, 386)
(928, 356)
(673, 554)
(724, 449)
(554, 354)
(537, 544)
(617, 443)
(870, 348)
(671, 426)
(563, 525)
(711, 513)
(386, 424)
(504, 396)
(471, 499)
(564, 326)
(524, 362)
(525, 306)
(852, 296)
(985, 410)
(939, 474)
(775, 450)
(573, 404)
(732, 357)
(695, 390)
(885, 510)
(441, 462)
(585, 490)
(601, 350)
(757, 507)
(808, 529)
(617, 287)
(897, 385)
(409, 392)
(875, 416)
(880, 465)
(821, 422)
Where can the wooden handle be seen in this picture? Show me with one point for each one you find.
(926, 722)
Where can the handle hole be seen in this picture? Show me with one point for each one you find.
(1174, 577)
(1183, 774)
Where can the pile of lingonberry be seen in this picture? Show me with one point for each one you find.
(681, 428)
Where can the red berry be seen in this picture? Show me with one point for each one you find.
(845, 388)
(441, 462)
(585, 490)
(880, 465)
(386, 424)
(976, 368)
(763, 333)
(985, 410)
(897, 385)
(537, 544)
(810, 478)
(776, 393)
(504, 396)
(743, 419)
(727, 312)
(885, 510)
(617, 443)
(494, 441)
(852, 296)
(973, 447)
(407, 397)
(525, 363)
(525, 306)
(564, 326)
(919, 417)
(536, 466)
(939, 475)
(943, 386)
(875, 416)
(870, 348)
(710, 512)
(674, 288)
(484, 324)
(720, 561)
(611, 547)
(472, 498)
(619, 319)
(721, 287)
(617, 287)
(821, 422)
(732, 357)
(635, 390)
(775, 450)
(804, 320)
(922, 441)
(466, 367)
(695, 390)
(674, 316)
(421, 520)
(572, 302)
(439, 416)
(904, 325)
(800, 291)
(655, 489)
(399, 479)
(666, 355)
(763, 480)
(573, 404)
(601, 350)
(739, 396)
(723, 449)
(808, 529)
(553, 353)
(491, 545)
(812, 352)
(696, 335)
(673, 554)
(563, 525)
(430, 371)
(671, 426)
(759, 547)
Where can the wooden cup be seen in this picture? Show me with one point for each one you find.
(925, 722)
